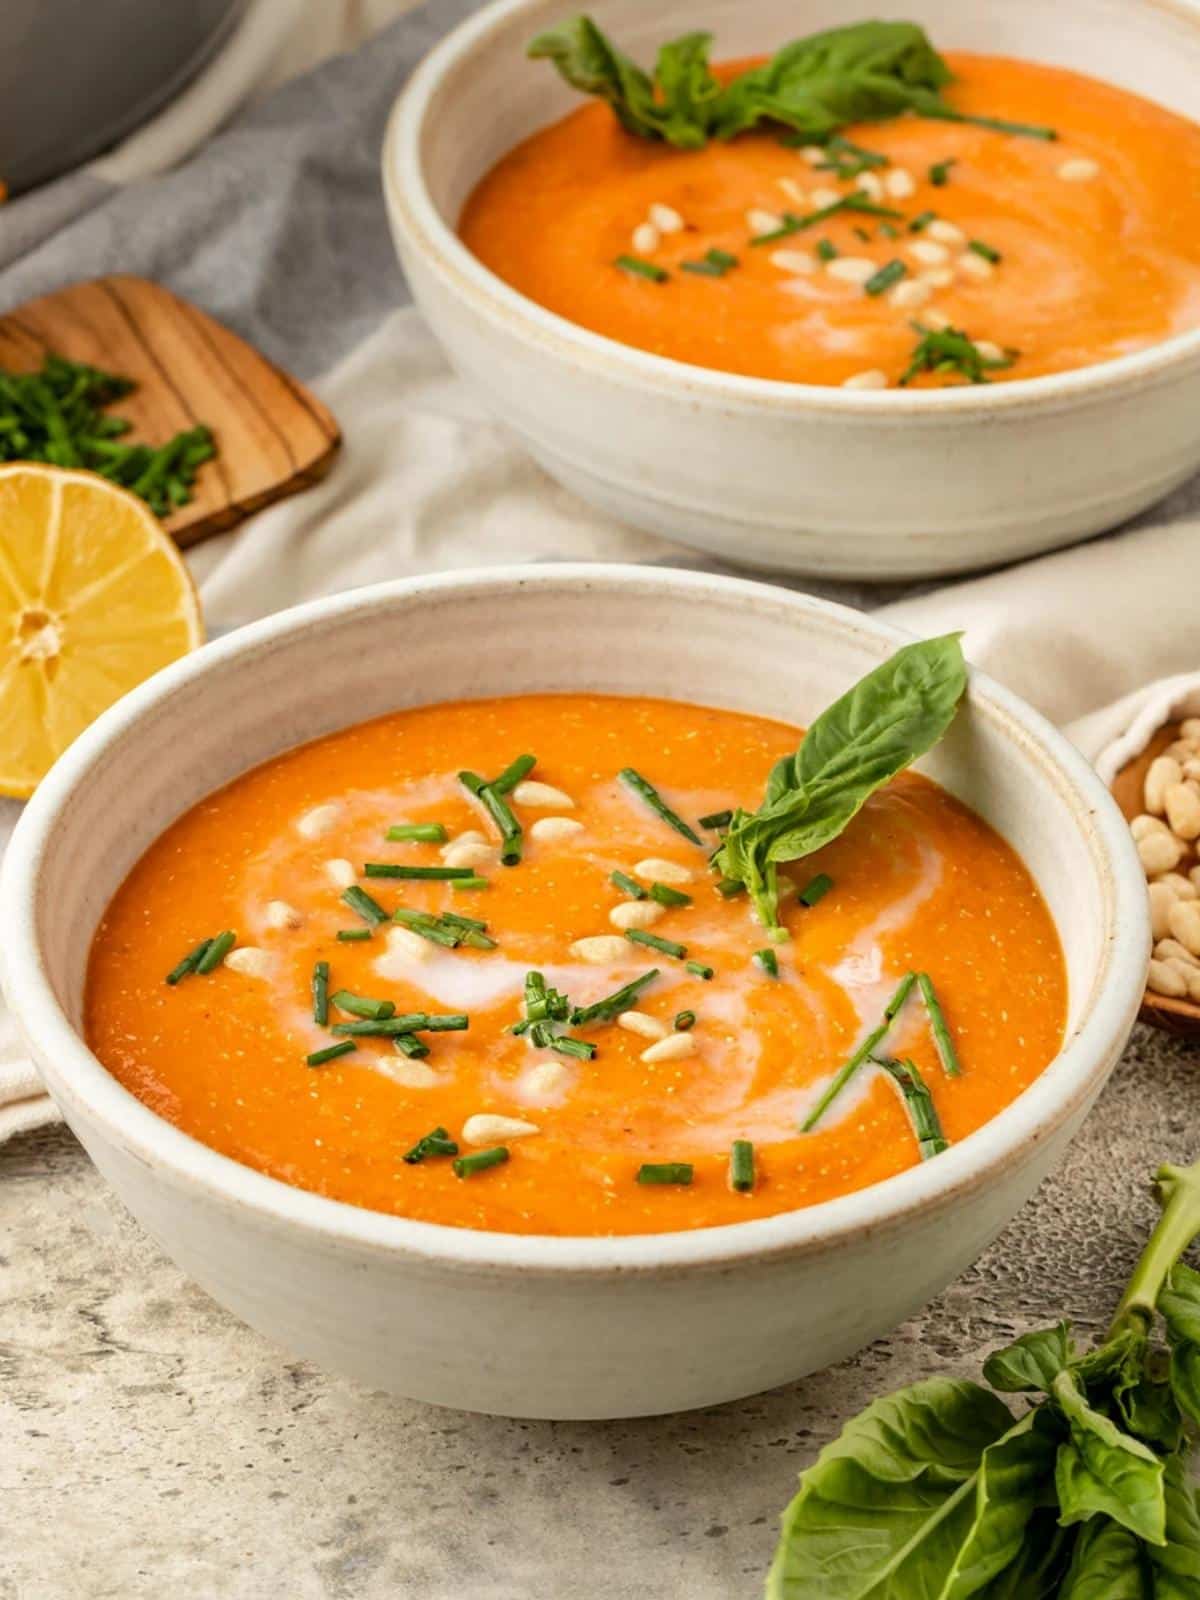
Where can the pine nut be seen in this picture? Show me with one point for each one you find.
(1182, 888)
(1183, 919)
(1166, 980)
(911, 293)
(1160, 776)
(1144, 824)
(988, 350)
(468, 853)
(760, 221)
(1079, 169)
(410, 1074)
(1172, 950)
(793, 261)
(938, 278)
(551, 830)
(822, 197)
(544, 1080)
(946, 232)
(656, 870)
(1189, 728)
(316, 823)
(792, 189)
(645, 239)
(341, 873)
(873, 378)
(642, 1022)
(673, 1048)
(665, 218)
(937, 320)
(635, 914)
(900, 183)
(468, 836)
(282, 915)
(409, 946)
(973, 266)
(1162, 898)
(870, 184)
(851, 269)
(814, 154)
(249, 960)
(928, 252)
(485, 1128)
(600, 949)
(1160, 852)
(1183, 810)
(542, 796)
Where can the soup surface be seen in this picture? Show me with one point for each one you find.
(1066, 252)
(918, 882)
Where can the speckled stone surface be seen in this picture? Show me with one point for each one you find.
(150, 1445)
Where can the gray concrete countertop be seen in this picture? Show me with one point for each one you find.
(152, 1446)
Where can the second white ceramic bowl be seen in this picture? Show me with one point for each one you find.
(539, 1326)
(841, 482)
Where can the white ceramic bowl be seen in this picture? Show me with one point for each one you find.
(817, 480)
(540, 1326)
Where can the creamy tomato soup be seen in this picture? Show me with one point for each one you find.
(718, 1046)
(1050, 254)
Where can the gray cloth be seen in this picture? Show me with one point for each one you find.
(277, 227)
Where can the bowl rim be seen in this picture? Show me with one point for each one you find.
(82, 1084)
(414, 214)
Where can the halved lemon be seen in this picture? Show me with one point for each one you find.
(93, 598)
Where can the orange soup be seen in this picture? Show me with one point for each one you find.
(617, 1116)
(1050, 255)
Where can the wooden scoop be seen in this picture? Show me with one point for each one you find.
(1160, 1010)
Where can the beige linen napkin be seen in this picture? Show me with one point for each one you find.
(427, 483)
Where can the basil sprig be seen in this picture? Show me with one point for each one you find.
(879, 727)
(815, 86)
(939, 1490)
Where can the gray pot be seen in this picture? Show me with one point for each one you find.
(76, 75)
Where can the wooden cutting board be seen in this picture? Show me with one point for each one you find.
(273, 436)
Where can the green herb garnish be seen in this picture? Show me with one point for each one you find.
(768, 961)
(729, 888)
(815, 890)
(417, 832)
(918, 1102)
(939, 1489)
(887, 275)
(468, 1166)
(462, 885)
(865, 1051)
(436, 1143)
(684, 1021)
(826, 250)
(330, 1053)
(879, 727)
(320, 993)
(713, 264)
(921, 221)
(741, 1166)
(887, 231)
(445, 929)
(637, 268)
(848, 160)
(627, 885)
(987, 251)
(939, 172)
(565, 1045)
(608, 1009)
(352, 935)
(395, 869)
(667, 947)
(367, 908)
(215, 952)
(950, 350)
(716, 820)
(491, 798)
(666, 896)
(947, 1054)
(665, 1172)
(647, 792)
(698, 969)
(858, 203)
(410, 1022)
(361, 1005)
(407, 1044)
(189, 963)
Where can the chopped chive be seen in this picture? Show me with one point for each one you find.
(888, 231)
(637, 268)
(392, 869)
(565, 1045)
(668, 947)
(627, 885)
(428, 927)
(407, 1044)
(513, 774)
(353, 935)
(361, 902)
(468, 1166)
(436, 1143)
(361, 1005)
(418, 832)
(612, 1005)
(330, 1053)
(478, 941)
(684, 1020)
(865, 1050)
(987, 251)
(713, 264)
(861, 233)
(410, 1022)
(445, 1022)
(699, 970)
(826, 250)
(216, 952)
(939, 172)
(666, 896)
(741, 1166)
(918, 1102)
(473, 924)
(498, 808)
(460, 885)
(665, 1172)
(921, 221)
(845, 159)
(816, 890)
(320, 994)
(1025, 130)
(189, 963)
(858, 202)
(730, 888)
(647, 792)
(891, 272)
(768, 961)
(947, 1054)
(716, 820)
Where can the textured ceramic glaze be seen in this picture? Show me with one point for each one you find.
(849, 483)
(528, 1325)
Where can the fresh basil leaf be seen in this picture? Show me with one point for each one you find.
(1185, 1379)
(1030, 1363)
(1112, 1361)
(1014, 1474)
(1040, 1565)
(1102, 1470)
(1176, 1565)
(687, 90)
(817, 85)
(1150, 1411)
(892, 1497)
(1179, 1304)
(1106, 1565)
